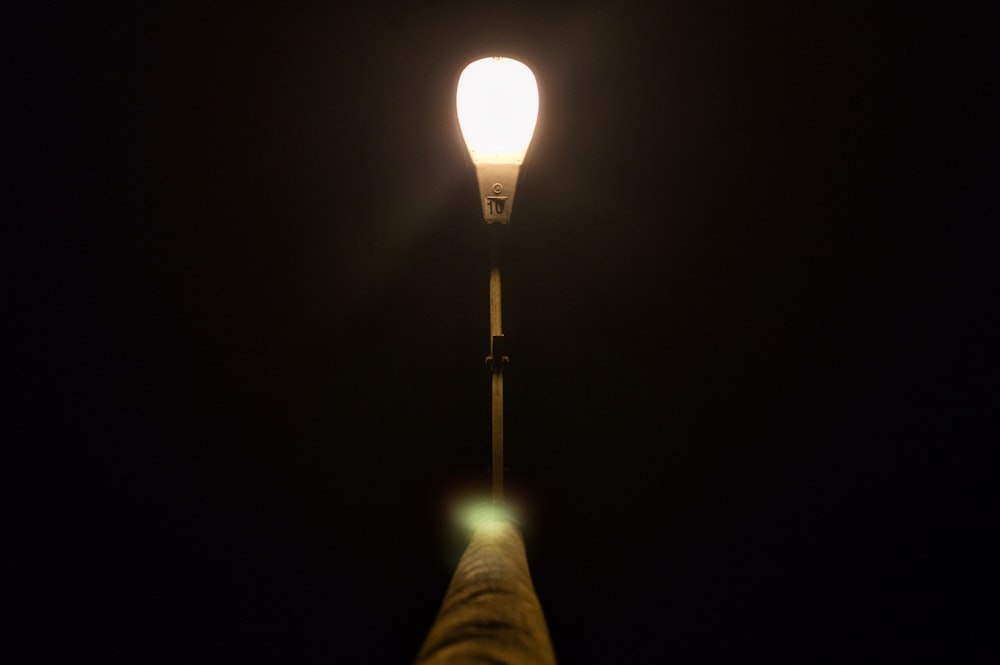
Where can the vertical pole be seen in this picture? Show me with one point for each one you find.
(491, 612)
(496, 330)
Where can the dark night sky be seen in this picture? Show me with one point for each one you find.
(248, 315)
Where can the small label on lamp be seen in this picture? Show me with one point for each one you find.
(496, 204)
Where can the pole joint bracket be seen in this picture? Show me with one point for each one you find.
(498, 353)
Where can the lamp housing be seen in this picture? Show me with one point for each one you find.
(497, 104)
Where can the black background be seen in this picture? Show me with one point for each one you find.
(247, 318)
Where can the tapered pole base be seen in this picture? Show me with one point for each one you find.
(490, 613)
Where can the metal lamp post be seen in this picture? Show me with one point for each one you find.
(497, 103)
(490, 610)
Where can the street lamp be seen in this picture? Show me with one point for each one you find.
(497, 103)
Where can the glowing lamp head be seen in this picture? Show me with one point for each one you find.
(497, 103)
(497, 108)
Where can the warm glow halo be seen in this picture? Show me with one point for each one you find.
(474, 513)
(497, 104)
(484, 514)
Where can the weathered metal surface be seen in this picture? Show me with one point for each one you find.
(491, 613)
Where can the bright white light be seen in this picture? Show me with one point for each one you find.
(497, 109)
(479, 513)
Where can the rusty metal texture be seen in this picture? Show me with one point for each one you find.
(490, 613)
